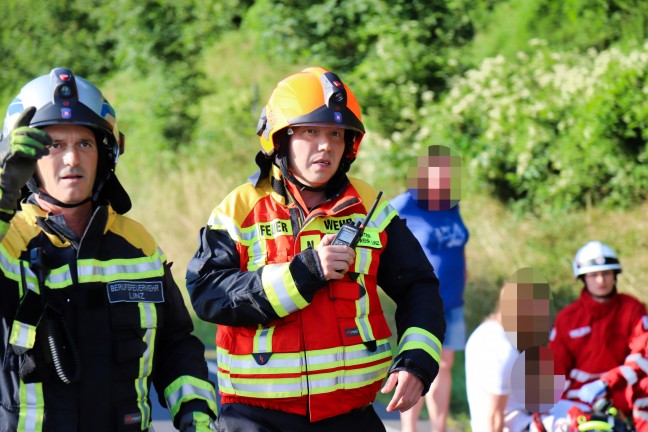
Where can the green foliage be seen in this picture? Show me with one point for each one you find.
(548, 131)
(166, 39)
(504, 28)
(391, 52)
(155, 40)
(35, 39)
(229, 111)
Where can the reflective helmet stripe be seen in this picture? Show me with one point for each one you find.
(594, 257)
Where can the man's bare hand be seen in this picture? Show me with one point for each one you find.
(335, 260)
(408, 390)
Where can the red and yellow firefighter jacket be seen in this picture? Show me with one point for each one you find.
(108, 304)
(591, 338)
(289, 340)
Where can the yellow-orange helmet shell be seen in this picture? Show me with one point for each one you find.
(313, 96)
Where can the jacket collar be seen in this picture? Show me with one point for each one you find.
(102, 218)
(598, 309)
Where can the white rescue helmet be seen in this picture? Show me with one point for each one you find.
(594, 257)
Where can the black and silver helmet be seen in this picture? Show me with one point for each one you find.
(63, 98)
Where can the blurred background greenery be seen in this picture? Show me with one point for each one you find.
(544, 99)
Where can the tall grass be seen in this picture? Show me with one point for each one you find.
(174, 205)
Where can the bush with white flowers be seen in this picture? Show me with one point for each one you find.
(548, 131)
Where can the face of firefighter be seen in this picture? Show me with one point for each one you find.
(315, 153)
(600, 284)
(68, 172)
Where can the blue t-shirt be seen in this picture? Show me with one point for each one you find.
(443, 236)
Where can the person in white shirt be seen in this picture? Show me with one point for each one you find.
(489, 360)
(520, 321)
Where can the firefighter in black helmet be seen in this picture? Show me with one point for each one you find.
(90, 315)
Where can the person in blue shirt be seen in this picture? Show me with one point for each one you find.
(431, 209)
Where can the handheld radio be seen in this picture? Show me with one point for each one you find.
(350, 233)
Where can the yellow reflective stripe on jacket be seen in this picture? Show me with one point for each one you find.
(245, 236)
(295, 364)
(275, 388)
(281, 290)
(148, 315)
(353, 355)
(263, 340)
(187, 388)
(363, 260)
(256, 255)
(148, 320)
(10, 267)
(93, 270)
(279, 363)
(32, 407)
(22, 335)
(201, 420)
(418, 338)
(348, 378)
(286, 363)
(361, 319)
(382, 216)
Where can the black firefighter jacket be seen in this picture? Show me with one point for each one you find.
(87, 326)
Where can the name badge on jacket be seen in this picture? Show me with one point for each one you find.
(135, 291)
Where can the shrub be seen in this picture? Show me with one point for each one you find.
(547, 131)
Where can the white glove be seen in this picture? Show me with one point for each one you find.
(592, 391)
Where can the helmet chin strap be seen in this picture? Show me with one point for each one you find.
(50, 199)
(283, 166)
(282, 163)
(338, 179)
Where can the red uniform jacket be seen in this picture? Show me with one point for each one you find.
(590, 338)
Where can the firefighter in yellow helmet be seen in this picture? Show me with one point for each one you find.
(90, 316)
(302, 341)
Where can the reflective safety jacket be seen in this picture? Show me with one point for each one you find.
(590, 338)
(289, 340)
(87, 326)
(635, 366)
(631, 378)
